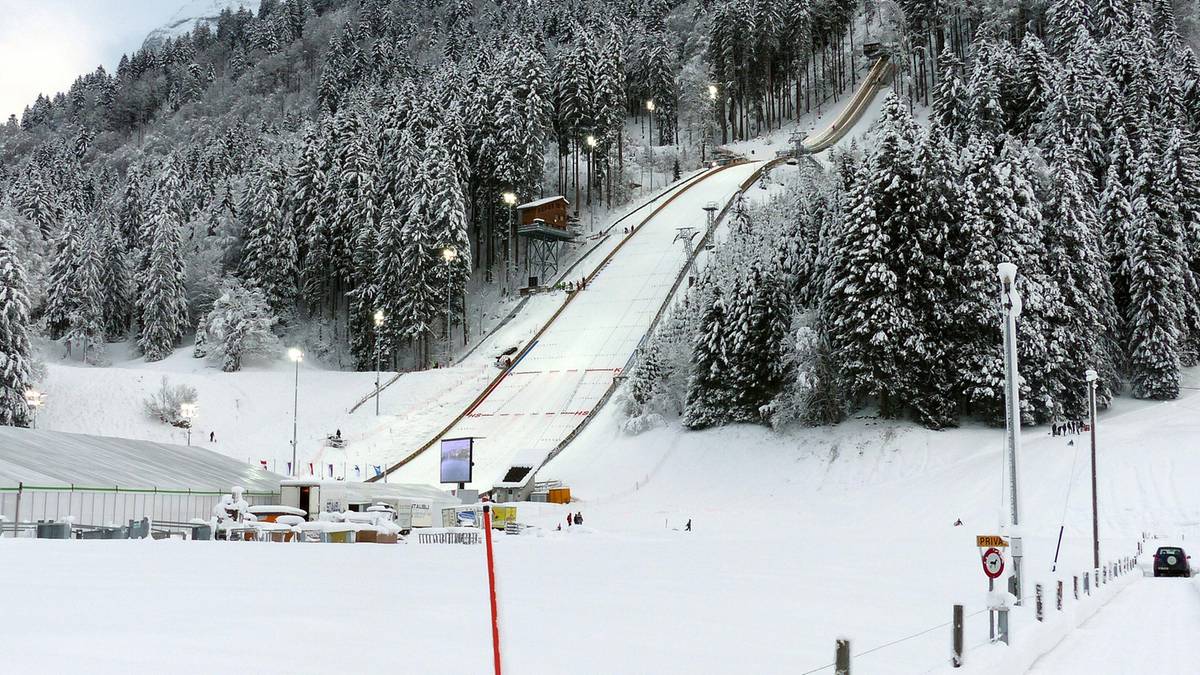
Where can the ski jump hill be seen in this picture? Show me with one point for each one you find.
(570, 368)
(876, 80)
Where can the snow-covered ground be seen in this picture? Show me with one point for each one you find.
(799, 538)
(1149, 627)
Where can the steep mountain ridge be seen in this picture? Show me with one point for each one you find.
(190, 15)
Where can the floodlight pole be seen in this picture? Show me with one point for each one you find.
(1010, 300)
(1092, 378)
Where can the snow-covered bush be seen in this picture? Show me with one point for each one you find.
(166, 404)
(239, 326)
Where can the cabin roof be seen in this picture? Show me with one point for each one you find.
(542, 202)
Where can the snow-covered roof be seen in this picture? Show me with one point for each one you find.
(372, 491)
(541, 202)
(36, 457)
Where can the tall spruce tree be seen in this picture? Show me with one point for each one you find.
(1155, 311)
(16, 366)
(162, 301)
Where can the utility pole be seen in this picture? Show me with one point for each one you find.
(650, 144)
(296, 356)
(449, 255)
(1092, 378)
(1010, 300)
(379, 319)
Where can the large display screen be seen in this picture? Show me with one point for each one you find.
(456, 460)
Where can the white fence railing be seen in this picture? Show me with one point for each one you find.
(111, 505)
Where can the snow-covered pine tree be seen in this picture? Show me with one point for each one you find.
(269, 251)
(710, 396)
(308, 184)
(930, 279)
(1001, 223)
(390, 276)
(419, 304)
(1181, 176)
(988, 116)
(1112, 17)
(85, 329)
(116, 278)
(1155, 311)
(1036, 82)
(161, 306)
(1116, 216)
(756, 349)
(448, 222)
(870, 335)
(951, 105)
(200, 348)
(1066, 18)
(16, 376)
(62, 289)
(1083, 320)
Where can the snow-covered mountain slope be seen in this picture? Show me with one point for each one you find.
(192, 14)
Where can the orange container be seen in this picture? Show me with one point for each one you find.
(559, 496)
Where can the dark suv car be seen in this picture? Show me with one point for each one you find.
(1171, 561)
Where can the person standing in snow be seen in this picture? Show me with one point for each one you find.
(568, 520)
(579, 518)
(688, 527)
(212, 437)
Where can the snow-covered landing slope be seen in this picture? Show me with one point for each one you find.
(561, 378)
(853, 525)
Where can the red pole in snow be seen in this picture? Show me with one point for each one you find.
(487, 526)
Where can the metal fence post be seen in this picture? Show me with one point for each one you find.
(1002, 624)
(17, 513)
(1058, 603)
(842, 658)
(1087, 589)
(957, 659)
(1037, 591)
(1075, 586)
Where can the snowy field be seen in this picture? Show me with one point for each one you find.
(798, 539)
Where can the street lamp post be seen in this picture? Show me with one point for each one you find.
(1092, 379)
(188, 412)
(650, 143)
(449, 255)
(712, 96)
(591, 143)
(378, 353)
(296, 356)
(510, 198)
(1010, 300)
(34, 399)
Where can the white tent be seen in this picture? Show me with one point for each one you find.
(52, 458)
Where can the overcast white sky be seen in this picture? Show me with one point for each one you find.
(45, 44)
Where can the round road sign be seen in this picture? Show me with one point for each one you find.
(993, 563)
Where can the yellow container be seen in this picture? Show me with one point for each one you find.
(346, 537)
(502, 515)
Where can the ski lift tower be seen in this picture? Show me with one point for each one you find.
(543, 225)
(797, 140)
(686, 235)
(711, 209)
